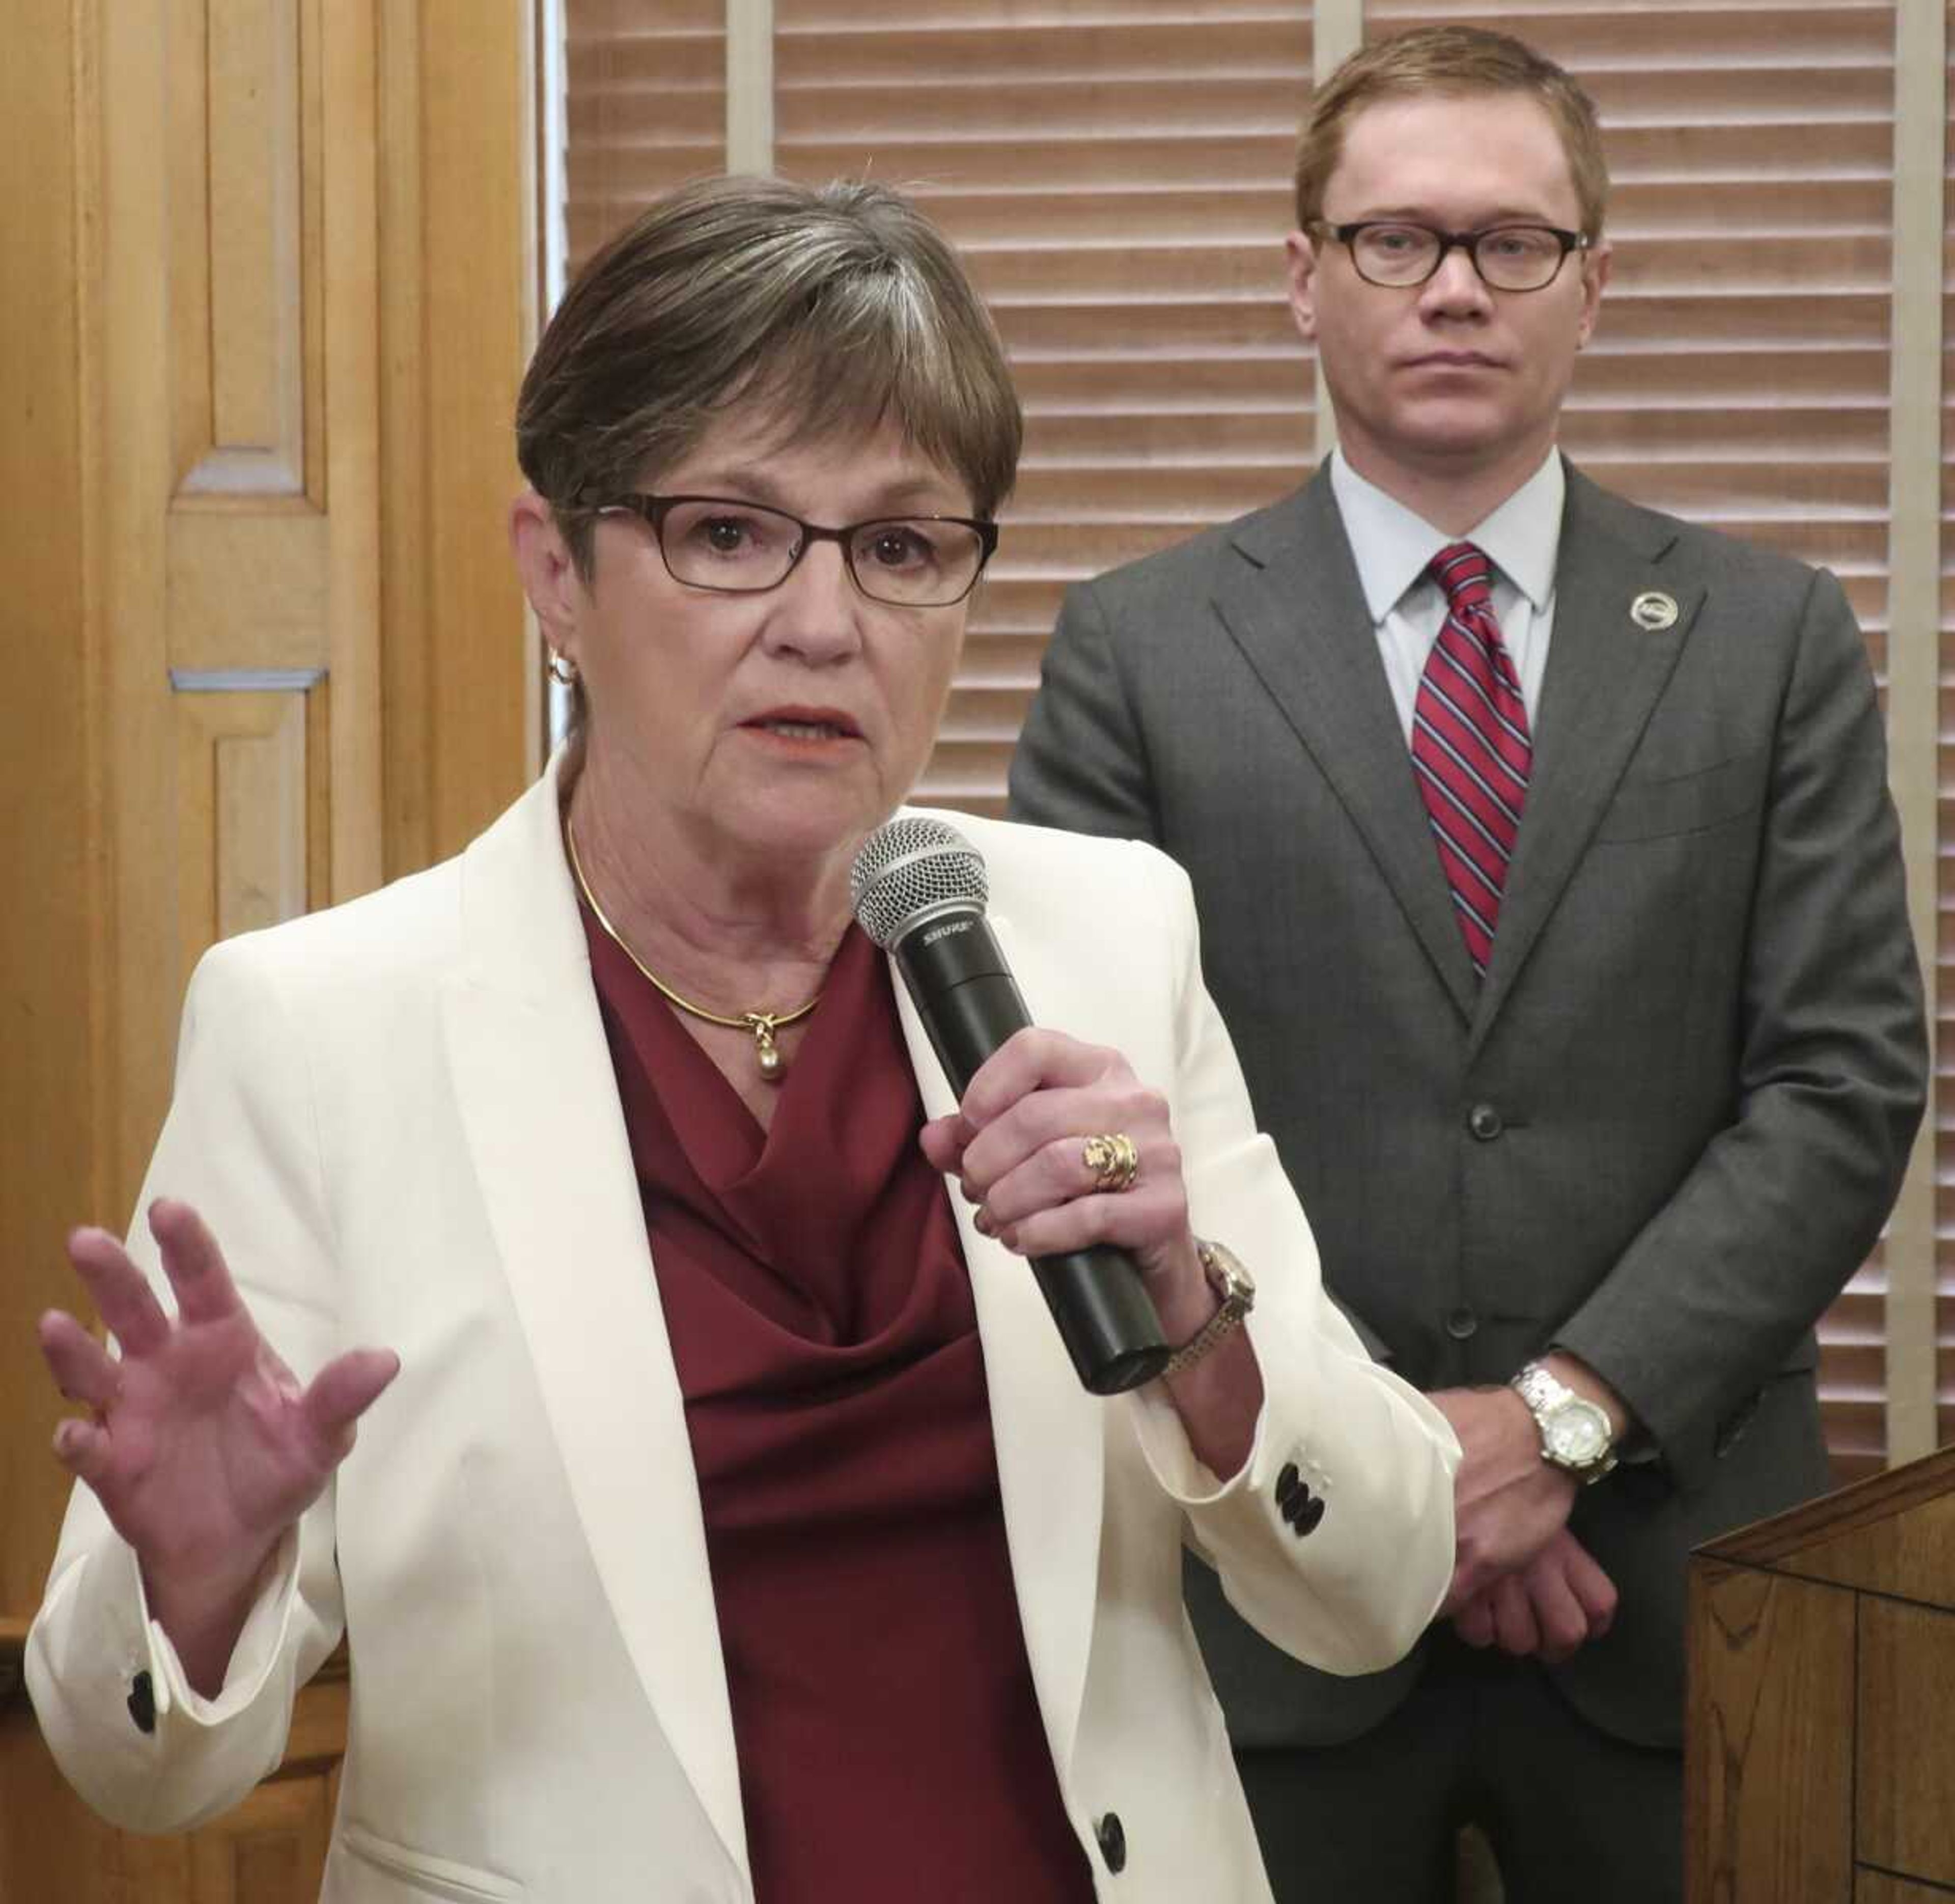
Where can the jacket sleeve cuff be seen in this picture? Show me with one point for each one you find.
(260, 1645)
(145, 1749)
(1335, 1537)
(1182, 1474)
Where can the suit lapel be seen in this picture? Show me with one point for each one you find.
(539, 1105)
(1296, 609)
(1605, 675)
(1048, 1431)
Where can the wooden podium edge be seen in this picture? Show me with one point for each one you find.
(1848, 1509)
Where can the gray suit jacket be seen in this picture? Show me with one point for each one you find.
(1668, 1125)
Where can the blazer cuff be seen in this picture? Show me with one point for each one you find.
(260, 1644)
(1183, 1476)
(145, 1751)
(1335, 1538)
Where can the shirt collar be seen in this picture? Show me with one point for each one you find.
(1393, 547)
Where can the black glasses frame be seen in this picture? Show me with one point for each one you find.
(653, 509)
(1469, 242)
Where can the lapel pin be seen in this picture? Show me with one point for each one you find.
(1653, 609)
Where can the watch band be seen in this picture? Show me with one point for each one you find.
(1235, 1287)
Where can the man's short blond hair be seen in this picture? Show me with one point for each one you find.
(1450, 62)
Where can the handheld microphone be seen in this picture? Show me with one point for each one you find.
(919, 888)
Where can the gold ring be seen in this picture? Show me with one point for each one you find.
(1113, 1159)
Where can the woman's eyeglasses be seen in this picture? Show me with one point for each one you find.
(736, 548)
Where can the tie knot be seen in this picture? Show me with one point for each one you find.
(1465, 574)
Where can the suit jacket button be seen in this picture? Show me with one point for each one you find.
(142, 1702)
(1113, 1838)
(1484, 1122)
(1288, 1481)
(1462, 1324)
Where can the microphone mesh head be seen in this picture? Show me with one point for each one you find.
(912, 865)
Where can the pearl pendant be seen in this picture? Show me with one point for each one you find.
(767, 1054)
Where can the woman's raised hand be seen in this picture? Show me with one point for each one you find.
(202, 1445)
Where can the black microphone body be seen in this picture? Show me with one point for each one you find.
(963, 992)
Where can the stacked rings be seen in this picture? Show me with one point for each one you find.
(1113, 1159)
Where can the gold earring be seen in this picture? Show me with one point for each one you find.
(562, 669)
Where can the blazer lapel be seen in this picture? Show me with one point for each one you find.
(1605, 675)
(1048, 1431)
(535, 1089)
(1296, 609)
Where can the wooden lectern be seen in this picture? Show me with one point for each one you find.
(1820, 1736)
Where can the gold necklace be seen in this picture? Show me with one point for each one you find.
(762, 1024)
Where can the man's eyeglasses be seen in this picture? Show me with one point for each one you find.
(1508, 257)
(736, 548)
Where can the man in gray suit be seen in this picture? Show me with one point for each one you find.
(1550, 887)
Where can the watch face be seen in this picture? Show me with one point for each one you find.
(1578, 1434)
(1227, 1277)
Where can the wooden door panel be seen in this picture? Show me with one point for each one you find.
(232, 530)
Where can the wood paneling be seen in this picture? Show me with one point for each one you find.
(1883, 1887)
(271, 1849)
(51, 948)
(1905, 1810)
(1912, 1556)
(243, 808)
(201, 277)
(1891, 1534)
(250, 585)
(1809, 1680)
(121, 869)
(51, 1844)
(463, 677)
(1768, 1810)
(347, 835)
(246, 75)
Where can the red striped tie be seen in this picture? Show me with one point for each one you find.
(1470, 748)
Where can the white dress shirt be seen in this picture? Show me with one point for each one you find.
(1393, 548)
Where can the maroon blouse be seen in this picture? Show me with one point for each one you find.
(821, 1320)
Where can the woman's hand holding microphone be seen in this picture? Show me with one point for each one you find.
(1019, 1146)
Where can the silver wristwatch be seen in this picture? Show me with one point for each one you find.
(1235, 1289)
(1575, 1432)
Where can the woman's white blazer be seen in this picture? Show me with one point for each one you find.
(399, 1118)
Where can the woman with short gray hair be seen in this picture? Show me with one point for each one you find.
(726, 1520)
